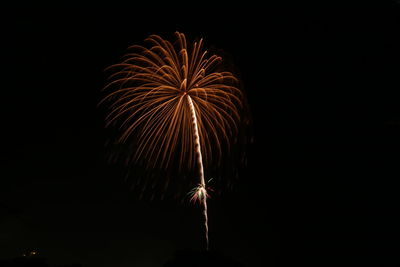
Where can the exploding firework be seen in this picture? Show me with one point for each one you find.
(177, 104)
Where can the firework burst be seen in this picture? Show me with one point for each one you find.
(176, 104)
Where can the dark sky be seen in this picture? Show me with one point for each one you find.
(321, 183)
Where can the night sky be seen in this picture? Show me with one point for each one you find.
(321, 184)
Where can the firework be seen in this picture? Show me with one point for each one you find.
(175, 102)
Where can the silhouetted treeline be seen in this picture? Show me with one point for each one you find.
(188, 258)
(31, 262)
(181, 258)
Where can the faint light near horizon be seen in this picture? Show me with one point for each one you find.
(30, 253)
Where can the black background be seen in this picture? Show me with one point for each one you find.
(321, 183)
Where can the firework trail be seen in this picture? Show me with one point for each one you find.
(175, 103)
(201, 192)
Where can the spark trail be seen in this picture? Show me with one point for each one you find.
(200, 192)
